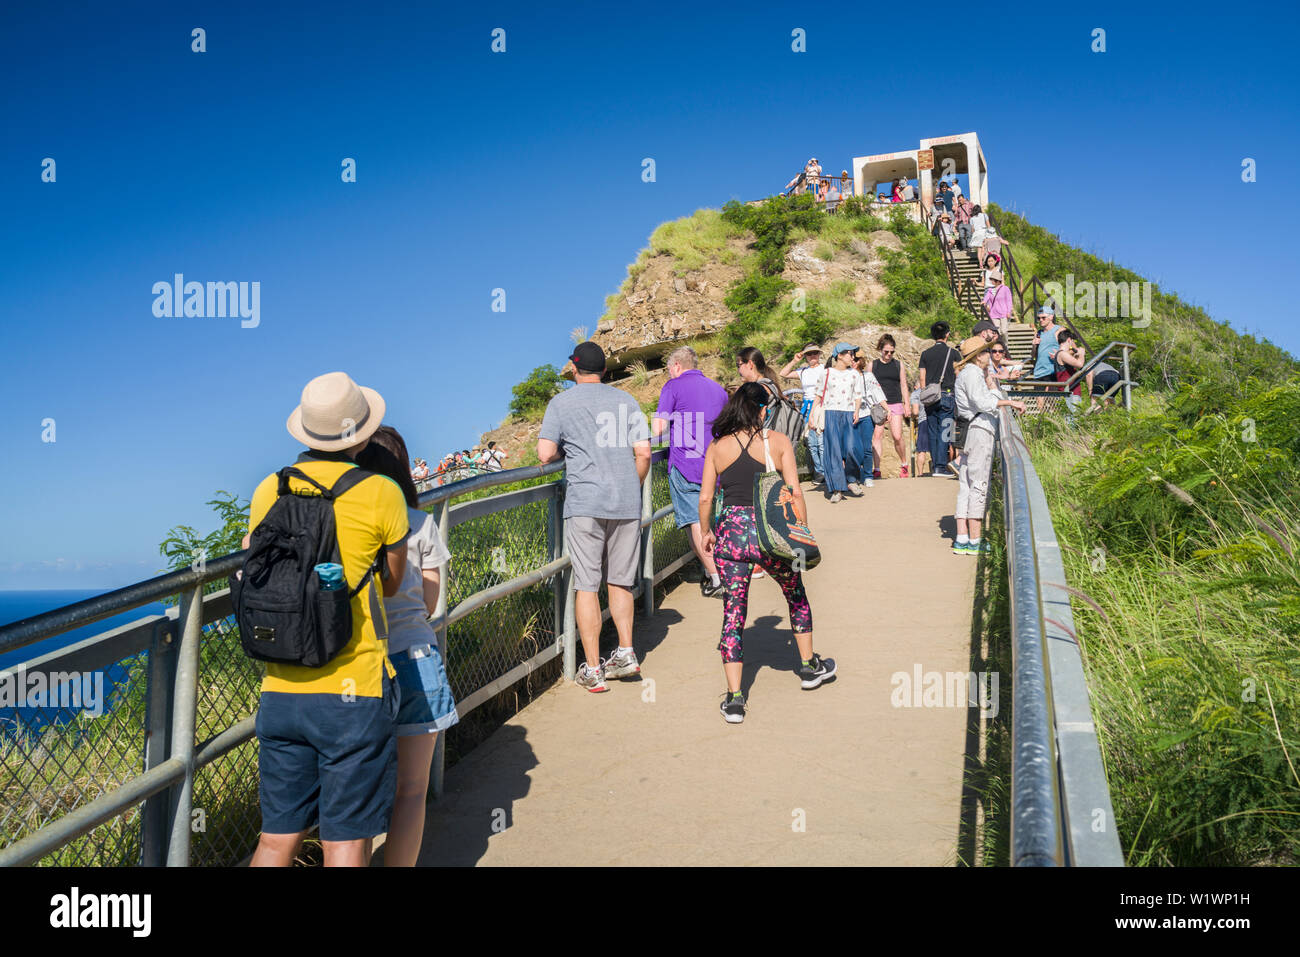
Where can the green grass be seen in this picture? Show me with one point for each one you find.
(695, 240)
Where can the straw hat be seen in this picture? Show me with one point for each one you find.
(972, 347)
(335, 413)
(811, 347)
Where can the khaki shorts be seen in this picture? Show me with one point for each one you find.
(608, 548)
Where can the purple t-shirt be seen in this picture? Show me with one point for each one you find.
(689, 404)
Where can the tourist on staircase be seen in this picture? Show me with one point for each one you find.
(1069, 360)
(1045, 344)
(602, 504)
(979, 228)
(890, 374)
(842, 399)
(977, 402)
(939, 368)
(735, 457)
(997, 300)
(688, 404)
(809, 375)
(961, 214)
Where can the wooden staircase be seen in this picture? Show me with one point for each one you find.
(964, 265)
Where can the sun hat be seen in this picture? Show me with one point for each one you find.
(335, 413)
(995, 274)
(811, 347)
(972, 347)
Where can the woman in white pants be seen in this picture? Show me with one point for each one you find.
(978, 399)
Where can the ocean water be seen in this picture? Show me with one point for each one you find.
(17, 605)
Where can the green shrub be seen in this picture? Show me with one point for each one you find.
(531, 395)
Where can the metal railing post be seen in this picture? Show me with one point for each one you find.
(438, 768)
(1128, 395)
(155, 820)
(648, 544)
(555, 550)
(184, 698)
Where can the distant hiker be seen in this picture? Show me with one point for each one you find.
(907, 193)
(809, 373)
(327, 754)
(602, 435)
(997, 299)
(494, 458)
(939, 367)
(426, 704)
(842, 400)
(814, 175)
(734, 458)
(1069, 360)
(864, 429)
(892, 377)
(688, 404)
(961, 213)
(832, 197)
(896, 191)
(1045, 344)
(999, 364)
(979, 229)
(977, 402)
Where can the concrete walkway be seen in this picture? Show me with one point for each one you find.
(650, 774)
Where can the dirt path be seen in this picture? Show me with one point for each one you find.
(651, 774)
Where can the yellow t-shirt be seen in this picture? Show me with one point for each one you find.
(372, 512)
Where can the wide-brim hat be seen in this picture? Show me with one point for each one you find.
(336, 413)
(995, 274)
(972, 347)
(810, 348)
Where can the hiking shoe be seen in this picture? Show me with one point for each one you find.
(757, 573)
(902, 471)
(837, 497)
(591, 679)
(710, 590)
(954, 469)
(855, 488)
(875, 473)
(818, 670)
(868, 483)
(983, 547)
(733, 709)
(622, 663)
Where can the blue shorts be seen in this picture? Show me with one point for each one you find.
(328, 761)
(427, 705)
(686, 498)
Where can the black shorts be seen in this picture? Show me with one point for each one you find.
(328, 760)
(1103, 381)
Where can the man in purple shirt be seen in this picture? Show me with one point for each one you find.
(689, 403)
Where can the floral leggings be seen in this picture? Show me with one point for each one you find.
(736, 552)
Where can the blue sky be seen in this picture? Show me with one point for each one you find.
(520, 171)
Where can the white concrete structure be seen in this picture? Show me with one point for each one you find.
(951, 154)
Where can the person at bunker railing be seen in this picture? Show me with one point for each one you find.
(977, 401)
(735, 456)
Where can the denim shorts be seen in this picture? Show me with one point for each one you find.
(325, 759)
(686, 498)
(427, 705)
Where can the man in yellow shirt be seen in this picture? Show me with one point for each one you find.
(327, 751)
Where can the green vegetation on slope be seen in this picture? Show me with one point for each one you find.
(1179, 532)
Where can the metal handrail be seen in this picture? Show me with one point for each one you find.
(1061, 811)
(165, 784)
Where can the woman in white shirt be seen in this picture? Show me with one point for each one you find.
(842, 400)
(976, 401)
(979, 229)
(810, 376)
(426, 704)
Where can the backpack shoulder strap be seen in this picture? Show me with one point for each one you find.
(348, 480)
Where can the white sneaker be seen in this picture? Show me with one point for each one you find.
(622, 663)
(592, 679)
(855, 488)
(837, 497)
(868, 483)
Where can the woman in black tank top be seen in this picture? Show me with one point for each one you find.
(734, 457)
(888, 371)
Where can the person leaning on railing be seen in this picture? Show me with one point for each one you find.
(977, 401)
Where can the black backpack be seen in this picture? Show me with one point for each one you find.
(284, 615)
(783, 415)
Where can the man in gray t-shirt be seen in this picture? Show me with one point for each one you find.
(602, 435)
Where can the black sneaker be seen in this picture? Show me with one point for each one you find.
(818, 670)
(733, 709)
(710, 590)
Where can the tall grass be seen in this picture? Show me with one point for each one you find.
(1184, 541)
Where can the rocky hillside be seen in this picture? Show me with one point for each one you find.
(674, 294)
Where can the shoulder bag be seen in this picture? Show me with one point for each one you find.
(781, 534)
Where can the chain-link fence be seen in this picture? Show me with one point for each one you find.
(123, 762)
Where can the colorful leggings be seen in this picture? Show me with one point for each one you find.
(736, 552)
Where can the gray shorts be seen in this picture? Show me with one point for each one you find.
(609, 544)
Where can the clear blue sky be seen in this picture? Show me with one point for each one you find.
(522, 171)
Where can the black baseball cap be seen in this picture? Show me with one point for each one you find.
(589, 358)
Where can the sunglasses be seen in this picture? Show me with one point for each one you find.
(886, 352)
(998, 352)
